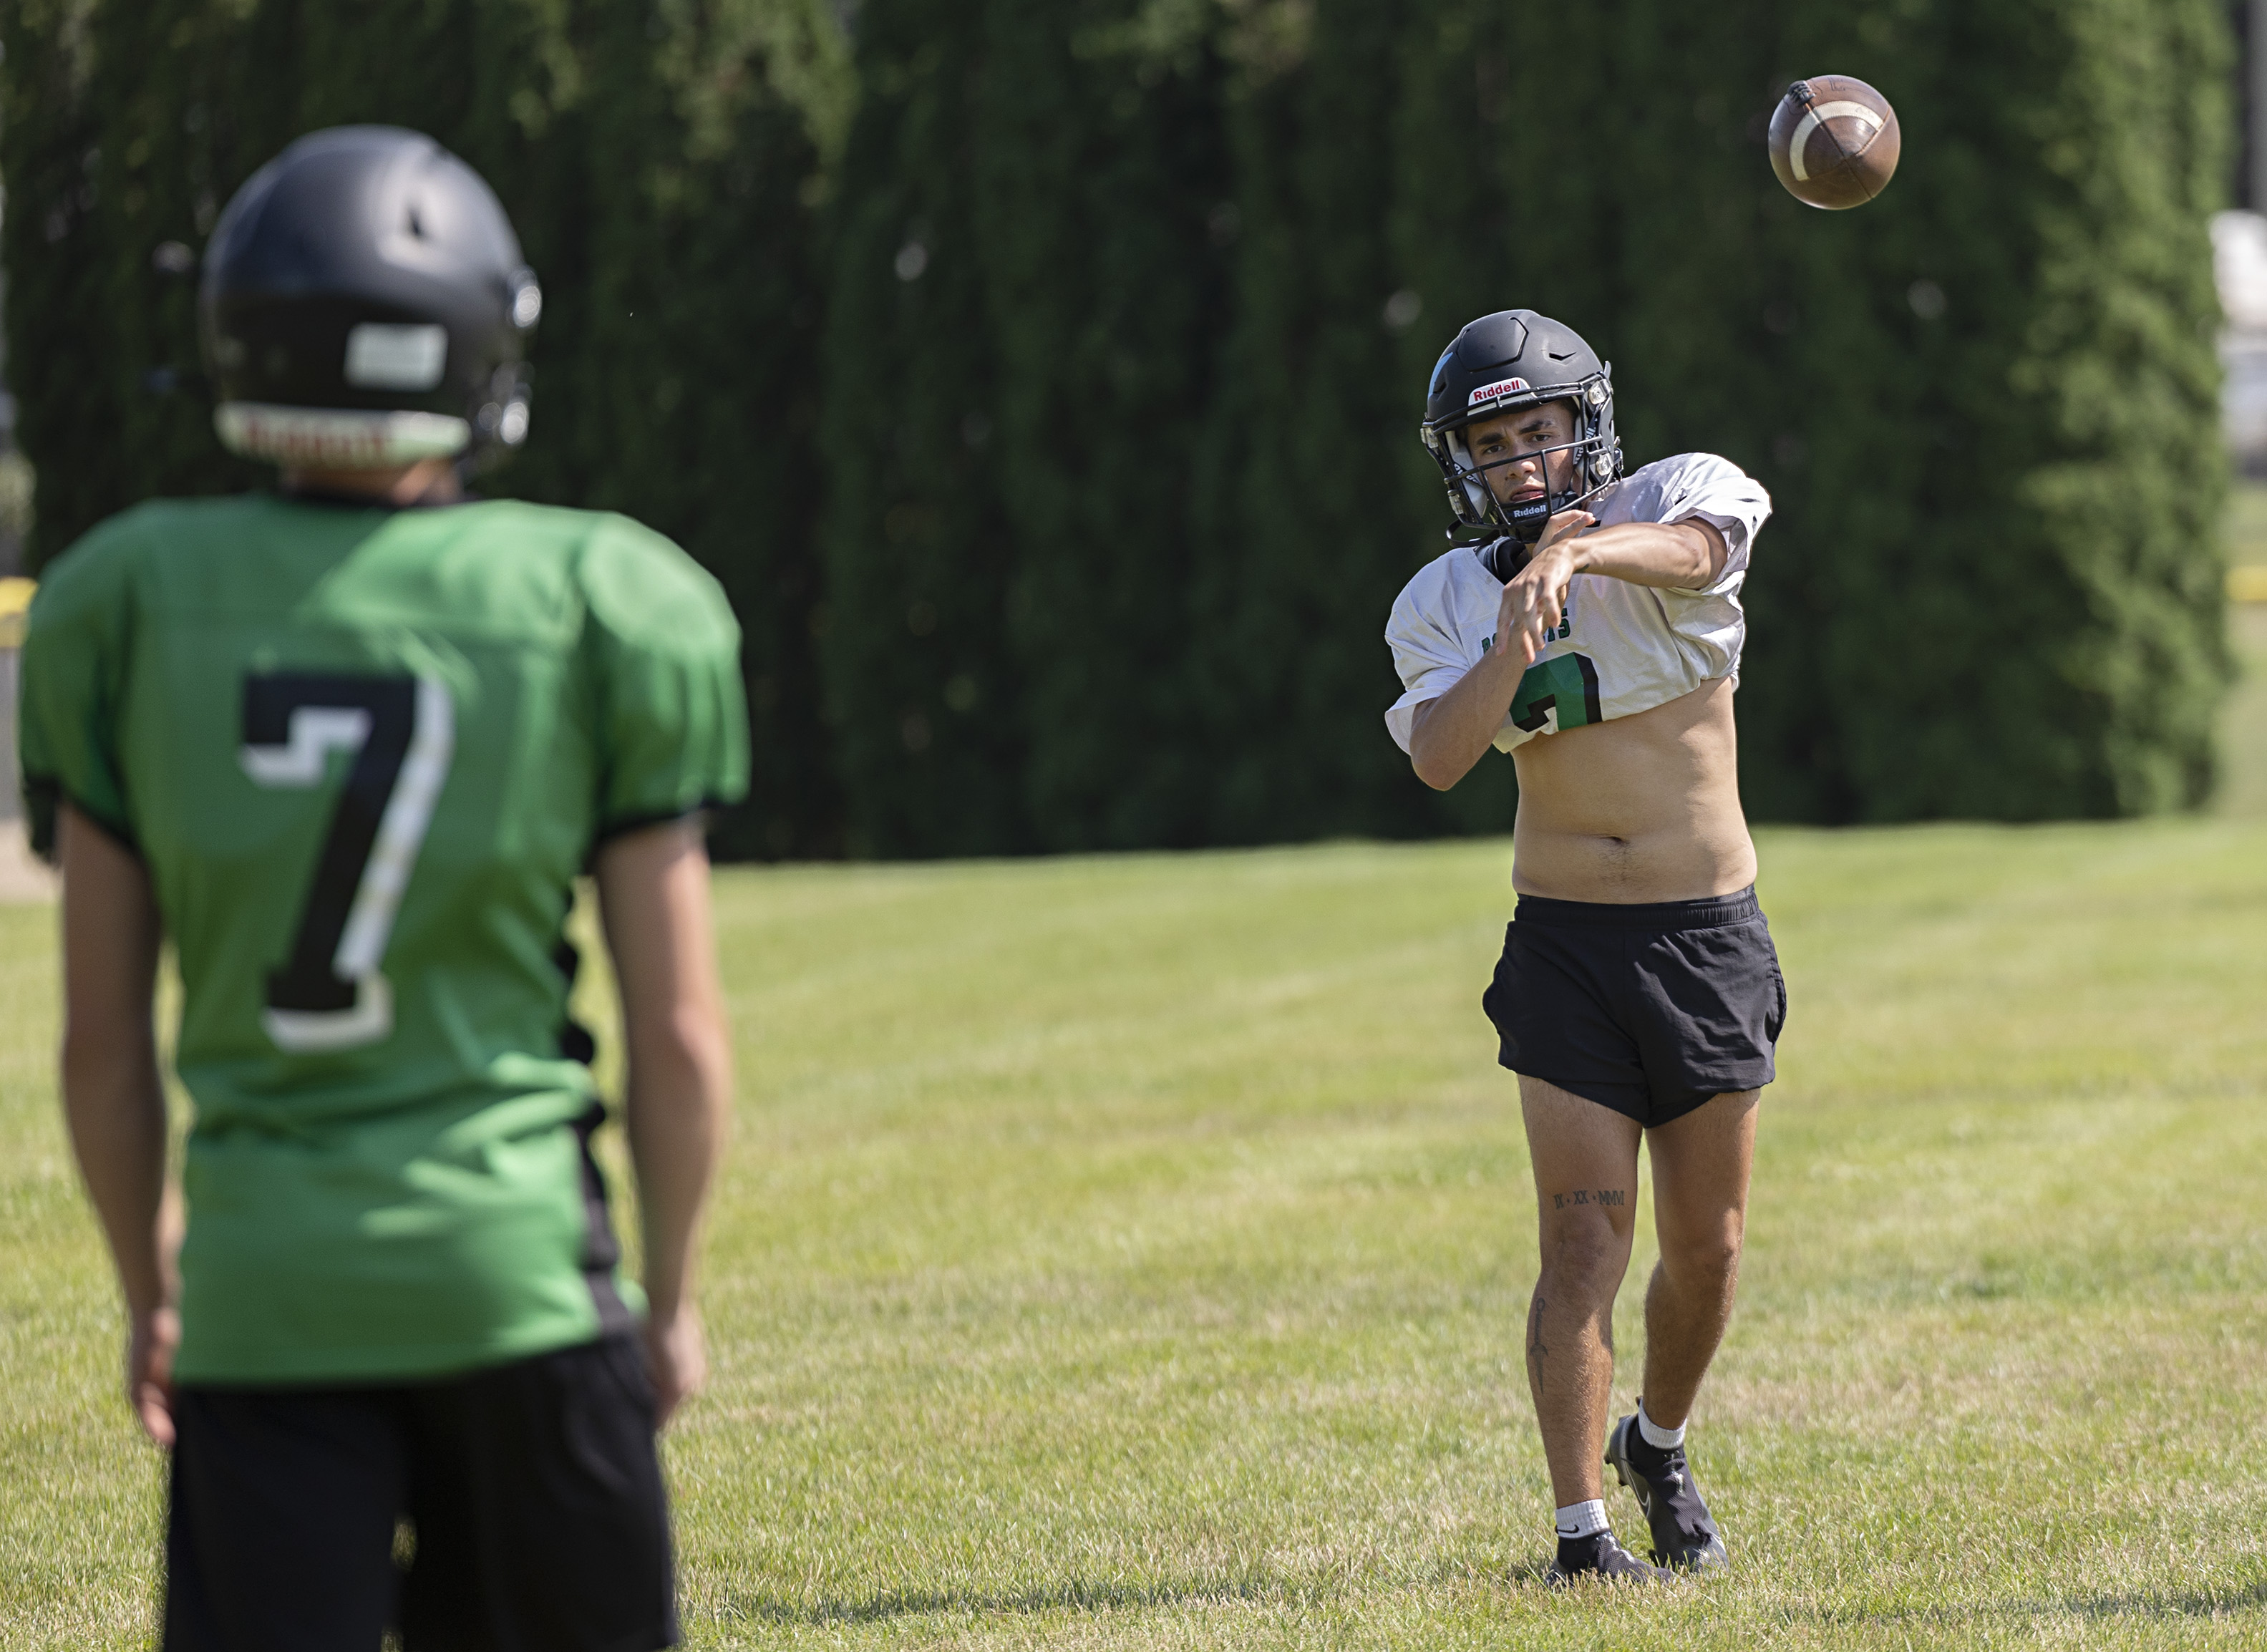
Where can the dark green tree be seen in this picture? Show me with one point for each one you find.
(1986, 404)
(1313, 514)
(2012, 470)
(1105, 383)
(925, 694)
(1100, 167)
(696, 280)
(65, 363)
(664, 167)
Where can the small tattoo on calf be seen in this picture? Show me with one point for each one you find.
(1608, 1196)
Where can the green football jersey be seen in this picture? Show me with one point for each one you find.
(363, 753)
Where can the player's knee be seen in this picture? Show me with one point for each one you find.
(1703, 1255)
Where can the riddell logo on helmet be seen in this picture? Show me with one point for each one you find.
(1489, 393)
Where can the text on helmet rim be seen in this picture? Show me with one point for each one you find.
(1501, 387)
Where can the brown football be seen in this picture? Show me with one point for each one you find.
(1833, 141)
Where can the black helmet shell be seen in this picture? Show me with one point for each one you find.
(1498, 365)
(365, 300)
(1511, 359)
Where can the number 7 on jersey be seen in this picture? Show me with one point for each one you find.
(400, 734)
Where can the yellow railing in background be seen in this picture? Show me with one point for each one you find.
(2247, 585)
(15, 599)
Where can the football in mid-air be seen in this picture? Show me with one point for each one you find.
(1833, 141)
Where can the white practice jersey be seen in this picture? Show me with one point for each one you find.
(1619, 649)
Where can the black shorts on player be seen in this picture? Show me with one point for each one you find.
(532, 1494)
(1649, 1010)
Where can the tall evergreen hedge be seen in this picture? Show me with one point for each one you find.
(664, 167)
(925, 696)
(1986, 404)
(1100, 156)
(1057, 443)
(1309, 526)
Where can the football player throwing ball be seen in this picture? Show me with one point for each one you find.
(346, 745)
(1591, 627)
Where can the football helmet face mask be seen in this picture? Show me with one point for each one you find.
(365, 304)
(1504, 363)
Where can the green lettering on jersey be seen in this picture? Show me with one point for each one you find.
(1568, 684)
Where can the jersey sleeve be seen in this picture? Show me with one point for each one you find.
(672, 714)
(72, 686)
(1719, 492)
(1421, 633)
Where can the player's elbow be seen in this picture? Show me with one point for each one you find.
(1706, 554)
(683, 1064)
(1435, 765)
(1437, 768)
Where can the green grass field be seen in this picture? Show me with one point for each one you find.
(1132, 1252)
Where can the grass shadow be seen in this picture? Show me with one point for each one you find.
(1087, 1594)
(2203, 1602)
(2180, 1603)
(1075, 1595)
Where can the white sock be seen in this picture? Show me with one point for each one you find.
(1659, 1438)
(1582, 1520)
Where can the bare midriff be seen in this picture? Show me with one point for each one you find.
(1636, 809)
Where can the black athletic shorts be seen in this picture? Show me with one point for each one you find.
(536, 1520)
(1647, 1010)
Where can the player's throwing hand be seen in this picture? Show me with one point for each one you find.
(1534, 601)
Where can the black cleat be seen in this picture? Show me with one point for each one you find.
(1684, 1533)
(1599, 1556)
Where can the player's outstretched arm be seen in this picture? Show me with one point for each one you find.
(114, 1099)
(653, 895)
(1687, 555)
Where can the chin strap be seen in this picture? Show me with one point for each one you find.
(1502, 557)
(1506, 553)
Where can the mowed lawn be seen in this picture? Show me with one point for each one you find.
(1132, 1252)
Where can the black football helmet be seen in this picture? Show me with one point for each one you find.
(364, 303)
(1500, 364)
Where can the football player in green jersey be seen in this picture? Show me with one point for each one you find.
(344, 746)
